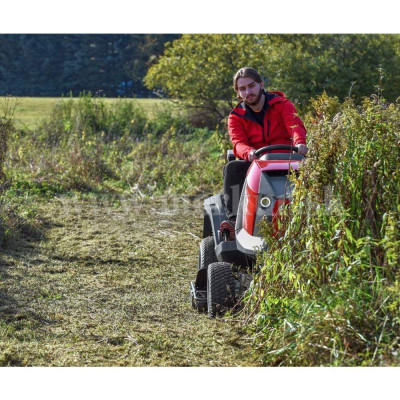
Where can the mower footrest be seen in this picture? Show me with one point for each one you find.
(198, 295)
(228, 252)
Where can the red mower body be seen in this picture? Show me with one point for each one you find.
(266, 189)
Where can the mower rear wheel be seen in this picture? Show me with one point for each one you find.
(220, 288)
(207, 254)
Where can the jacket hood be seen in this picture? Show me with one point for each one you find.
(272, 98)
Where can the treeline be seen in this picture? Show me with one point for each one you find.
(197, 68)
(55, 64)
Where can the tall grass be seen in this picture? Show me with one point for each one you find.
(92, 117)
(90, 145)
(6, 128)
(328, 291)
(14, 215)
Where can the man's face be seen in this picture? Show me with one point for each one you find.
(249, 90)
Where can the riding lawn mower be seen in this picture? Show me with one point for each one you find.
(228, 251)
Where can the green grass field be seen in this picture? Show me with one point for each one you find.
(30, 111)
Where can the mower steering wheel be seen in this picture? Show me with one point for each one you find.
(264, 149)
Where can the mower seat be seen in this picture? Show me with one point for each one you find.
(234, 177)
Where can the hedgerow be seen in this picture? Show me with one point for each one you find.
(328, 290)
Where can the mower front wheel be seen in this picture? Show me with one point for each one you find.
(206, 253)
(206, 257)
(220, 288)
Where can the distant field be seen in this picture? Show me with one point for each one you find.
(31, 110)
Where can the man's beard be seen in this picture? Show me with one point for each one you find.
(255, 100)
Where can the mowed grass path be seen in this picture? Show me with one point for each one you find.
(108, 285)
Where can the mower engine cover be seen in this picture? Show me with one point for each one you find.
(266, 189)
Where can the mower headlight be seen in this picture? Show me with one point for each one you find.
(265, 202)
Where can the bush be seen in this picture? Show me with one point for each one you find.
(328, 291)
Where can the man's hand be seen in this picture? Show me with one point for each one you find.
(302, 149)
(252, 156)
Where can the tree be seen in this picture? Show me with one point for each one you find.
(199, 68)
(338, 64)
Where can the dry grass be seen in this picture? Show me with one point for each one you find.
(109, 286)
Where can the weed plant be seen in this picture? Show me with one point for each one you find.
(91, 116)
(87, 145)
(16, 214)
(328, 291)
(6, 128)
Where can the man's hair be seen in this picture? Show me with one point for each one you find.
(246, 72)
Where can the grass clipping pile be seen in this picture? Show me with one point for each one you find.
(110, 286)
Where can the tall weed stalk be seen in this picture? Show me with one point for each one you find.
(16, 216)
(84, 145)
(328, 291)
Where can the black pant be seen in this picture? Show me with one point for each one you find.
(234, 177)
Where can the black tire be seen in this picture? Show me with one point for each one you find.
(207, 254)
(220, 288)
(206, 257)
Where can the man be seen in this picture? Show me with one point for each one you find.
(262, 118)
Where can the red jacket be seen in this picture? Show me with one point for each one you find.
(281, 126)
